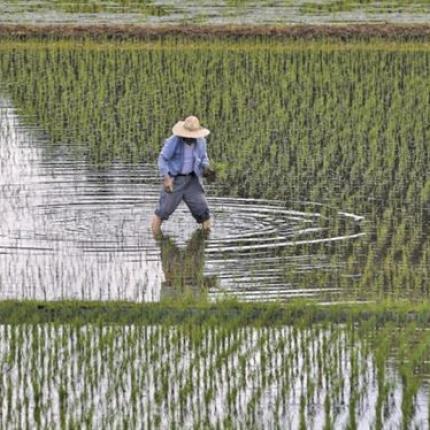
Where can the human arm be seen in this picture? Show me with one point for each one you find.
(204, 159)
(163, 163)
(165, 155)
(208, 173)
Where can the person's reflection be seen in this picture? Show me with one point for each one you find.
(184, 268)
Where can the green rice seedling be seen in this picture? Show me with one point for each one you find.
(242, 404)
(346, 126)
(345, 122)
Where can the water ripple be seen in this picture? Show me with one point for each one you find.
(71, 231)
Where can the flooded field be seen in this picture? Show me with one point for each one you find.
(213, 12)
(201, 376)
(70, 230)
(321, 149)
(323, 193)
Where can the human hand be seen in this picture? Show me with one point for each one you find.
(168, 184)
(209, 174)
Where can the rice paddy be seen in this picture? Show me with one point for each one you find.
(310, 131)
(73, 231)
(190, 375)
(215, 12)
(323, 194)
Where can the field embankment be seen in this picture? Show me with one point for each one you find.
(204, 313)
(341, 32)
(341, 121)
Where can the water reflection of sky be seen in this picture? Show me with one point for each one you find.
(269, 368)
(210, 12)
(69, 230)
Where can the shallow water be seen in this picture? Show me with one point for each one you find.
(188, 377)
(214, 12)
(70, 230)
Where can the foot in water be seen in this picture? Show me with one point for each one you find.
(156, 226)
(207, 225)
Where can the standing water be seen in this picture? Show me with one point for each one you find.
(72, 231)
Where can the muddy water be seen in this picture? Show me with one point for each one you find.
(69, 230)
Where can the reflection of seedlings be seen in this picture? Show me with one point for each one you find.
(328, 142)
(208, 374)
(368, 6)
(146, 8)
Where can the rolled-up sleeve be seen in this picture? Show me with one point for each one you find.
(205, 159)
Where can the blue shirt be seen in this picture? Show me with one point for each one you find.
(188, 164)
(171, 159)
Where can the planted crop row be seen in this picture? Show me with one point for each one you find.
(191, 376)
(345, 125)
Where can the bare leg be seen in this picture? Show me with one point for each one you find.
(156, 226)
(207, 225)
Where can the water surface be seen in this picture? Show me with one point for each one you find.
(188, 377)
(71, 230)
(212, 12)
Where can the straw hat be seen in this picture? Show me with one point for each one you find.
(190, 128)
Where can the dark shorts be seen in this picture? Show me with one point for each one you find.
(189, 189)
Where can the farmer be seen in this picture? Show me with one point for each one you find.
(182, 162)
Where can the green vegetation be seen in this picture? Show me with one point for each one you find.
(228, 372)
(144, 7)
(182, 12)
(344, 124)
(368, 6)
(191, 311)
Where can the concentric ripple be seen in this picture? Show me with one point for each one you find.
(71, 231)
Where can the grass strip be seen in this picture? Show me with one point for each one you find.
(223, 312)
(170, 44)
(343, 32)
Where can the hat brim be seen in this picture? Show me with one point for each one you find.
(179, 130)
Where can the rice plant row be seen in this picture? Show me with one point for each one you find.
(346, 125)
(203, 376)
